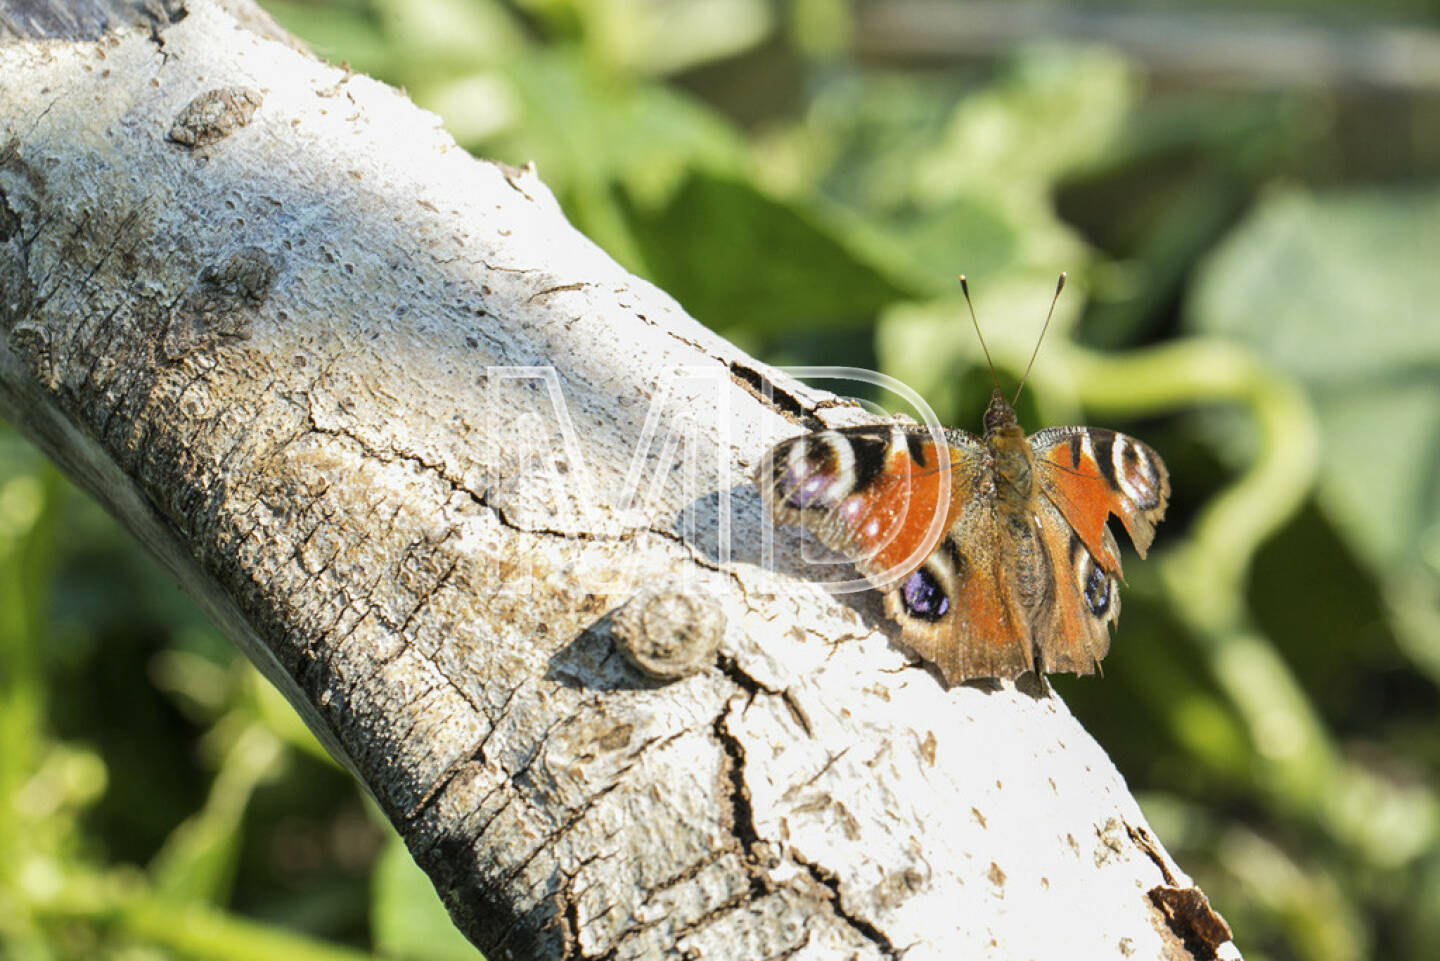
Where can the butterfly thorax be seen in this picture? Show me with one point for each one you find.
(1011, 454)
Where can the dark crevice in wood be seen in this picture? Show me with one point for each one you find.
(760, 385)
(864, 928)
(742, 815)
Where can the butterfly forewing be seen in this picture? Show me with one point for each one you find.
(1090, 473)
(878, 494)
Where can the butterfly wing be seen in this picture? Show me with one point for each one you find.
(1072, 629)
(961, 610)
(1088, 474)
(1085, 475)
(878, 494)
(873, 493)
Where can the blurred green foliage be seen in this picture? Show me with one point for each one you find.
(1253, 290)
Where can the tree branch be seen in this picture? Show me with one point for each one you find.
(377, 406)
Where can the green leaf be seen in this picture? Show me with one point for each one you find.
(409, 922)
(449, 35)
(594, 135)
(735, 257)
(198, 860)
(584, 125)
(962, 234)
(1341, 292)
(940, 185)
(1056, 110)
(640, 35)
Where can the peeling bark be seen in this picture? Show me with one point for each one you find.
(272, 317)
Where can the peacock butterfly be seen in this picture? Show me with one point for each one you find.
(1022, 576)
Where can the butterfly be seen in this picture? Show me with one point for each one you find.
(1022, 575)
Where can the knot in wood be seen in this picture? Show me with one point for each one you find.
(222, 302)
(668, 634)
(214, 115)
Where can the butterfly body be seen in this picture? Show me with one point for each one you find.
(1021, 574)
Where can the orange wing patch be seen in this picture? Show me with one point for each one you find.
(881, 495)
(902, 515)
(1090, 474)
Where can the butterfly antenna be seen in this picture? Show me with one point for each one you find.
(1059, 286)
(965, 289)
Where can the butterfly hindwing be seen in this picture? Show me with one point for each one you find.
(1072, 633)
(960, 610)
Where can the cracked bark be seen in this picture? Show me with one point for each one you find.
(274, 319)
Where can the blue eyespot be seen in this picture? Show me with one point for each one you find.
(1097, 592)
(923, 596)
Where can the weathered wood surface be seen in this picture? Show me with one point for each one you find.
(271, 316)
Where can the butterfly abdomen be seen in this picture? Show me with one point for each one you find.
(1027, 559)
